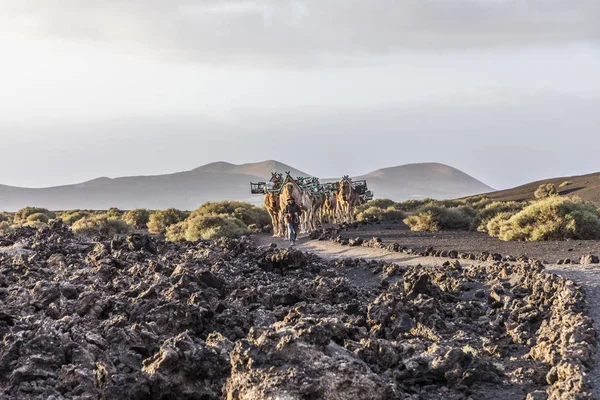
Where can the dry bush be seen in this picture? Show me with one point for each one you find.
(6, 216)
(478, 202)
(69, 217)
(24, 213)
(413, 205)
(114, 213)
(100, 225)
(435, 218)
(554, 218)
(159, 221)
(137, 218)
(494, 224)
(375, 214)
(38, 217)
(564, 184)
(245, 212)
(5, 227)
(206, 227)
(381, 204)
(544, 191)
(492, 209)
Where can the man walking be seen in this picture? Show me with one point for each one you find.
(292, 217)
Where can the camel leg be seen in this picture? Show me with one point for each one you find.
(275, 224)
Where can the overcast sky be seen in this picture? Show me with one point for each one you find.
(507, 91)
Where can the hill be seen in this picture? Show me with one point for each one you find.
(226, 181)
(585, 186)
(416, 181)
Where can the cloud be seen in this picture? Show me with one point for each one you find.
(289, 32)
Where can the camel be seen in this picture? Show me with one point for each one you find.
(317, 207)
(330, 208)
(313, 200)
(272, 203)
(346, 199)
(307, 223)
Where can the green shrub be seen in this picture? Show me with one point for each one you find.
(380, 203)
(371, 214)
(159, 221)
(100, 225)
(413, 205)
(544, 191)
(245, 212)
(565, 183)
(71, 216)
(137, 218)
(494, 208)
(6, 217)
(24, 213)
(114, 213)
(435, 218)
(478, 202)
(374, 214)
(5, 227)
(206, 227)
(494, 224)
(448, 203)
(377, 203)
(38, 217)
(554, 218)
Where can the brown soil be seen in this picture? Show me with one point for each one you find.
(475, 242)
(585, 186)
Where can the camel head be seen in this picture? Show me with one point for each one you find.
(276, 178)
(346, 188)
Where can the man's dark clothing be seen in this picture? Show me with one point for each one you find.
(296, 212)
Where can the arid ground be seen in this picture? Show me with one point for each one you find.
(586, 276)
(136, 317)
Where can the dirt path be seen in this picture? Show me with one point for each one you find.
(585, 275)
(331, 251)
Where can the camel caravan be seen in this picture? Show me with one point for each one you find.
(320, 203)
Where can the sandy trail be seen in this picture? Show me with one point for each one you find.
(330, 251)
(587, 276)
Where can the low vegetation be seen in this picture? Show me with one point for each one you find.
(71, 216)
(553, 218)
(376, 214)
(245, 212)
(114, 213)
(23, 214)
(209, 226)
(493, 209)
(160, 221)
(434, 218)
(5, 227)
(137, 218)
(565, 184)
(38, 217)
(545, 190)
(100, 225)
(224, 218)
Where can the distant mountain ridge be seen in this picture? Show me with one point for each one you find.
(226, 181)
(586, 187)
(415, 181)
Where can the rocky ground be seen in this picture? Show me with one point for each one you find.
(140, 318)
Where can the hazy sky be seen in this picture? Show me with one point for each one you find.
(505, 90)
